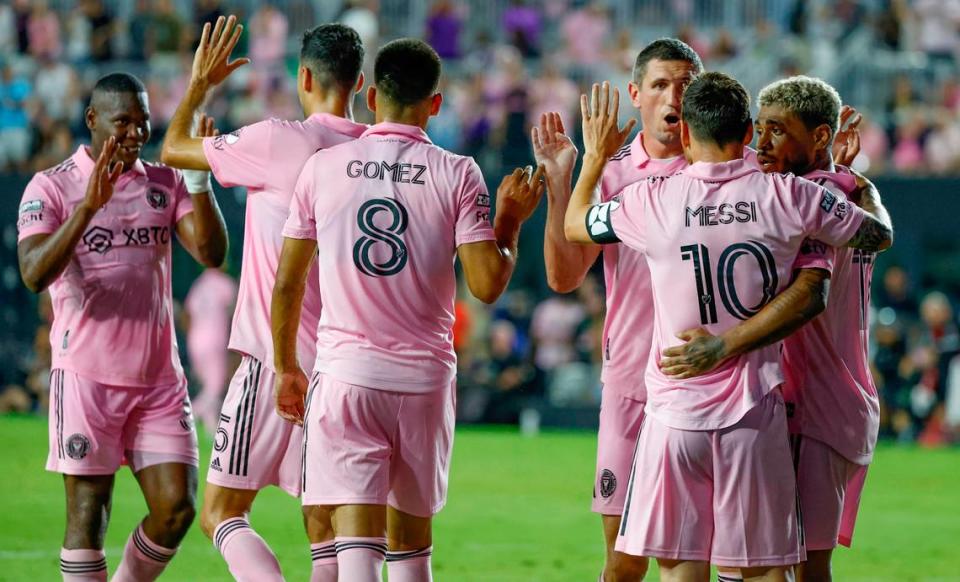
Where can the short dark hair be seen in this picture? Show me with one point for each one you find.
(716, 107)
(407, 71)
(333, 53)
(666, 49)
(119, 83)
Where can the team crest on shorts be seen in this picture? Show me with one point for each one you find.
(78, 446)
(608, 483)
(157, 199)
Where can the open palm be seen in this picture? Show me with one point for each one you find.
(552, 147)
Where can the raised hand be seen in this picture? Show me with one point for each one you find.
(104, 177)
(290, 395)
(205, 127)
(602, 135)
(846, 144)
(520, 193)
(211, 63)
(552, 148)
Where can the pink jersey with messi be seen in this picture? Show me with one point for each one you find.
(112, 305)
(266, 158)
(720, 241)
(828, 388)
(388, 212)
(628, 327)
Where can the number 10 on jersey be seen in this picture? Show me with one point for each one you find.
(726, 288)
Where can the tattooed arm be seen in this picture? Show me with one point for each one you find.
(876, 232)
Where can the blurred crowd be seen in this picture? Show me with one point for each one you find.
(506, 62)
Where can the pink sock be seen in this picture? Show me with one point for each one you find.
(324, 557)
(143, 560)
(361, 559)
(248, 557)
(83, 565)
(412, 566)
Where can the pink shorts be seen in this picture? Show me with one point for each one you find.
(94, 428)
(824, 477)
(368, 446)
(726, 496)
(851, 505)
(253, 446)
(620, 420)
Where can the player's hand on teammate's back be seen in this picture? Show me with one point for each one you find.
(552, 148)
(519, 193)
(290, 395)
(211, 62)
(104, 176)
(602, 136)
(846, 144)
(702, 353)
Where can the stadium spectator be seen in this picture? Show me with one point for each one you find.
(15, 93)
(43, 31)
(522, 26)
(444, 25)
(585, 34)
(102, 29)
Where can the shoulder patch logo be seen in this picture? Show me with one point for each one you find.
(78, 446)
(31, 206)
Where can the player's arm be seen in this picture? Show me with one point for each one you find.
(488, 265)
(602, 137)
(804, 299)
(43, 257)
(566, 263)
(285, 308)
(876, 232)
(203, 231)
(210, 68)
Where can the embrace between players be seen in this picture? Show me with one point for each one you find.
(713, 254)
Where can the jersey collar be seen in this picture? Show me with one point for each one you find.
(720, 172)
(841, 176)
(339, 124)
(398, 129)
(86, 163)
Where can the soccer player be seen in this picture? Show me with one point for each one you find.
(388, 214)
(712, 478)
(97, 230)
(661, 72)
(254, 447)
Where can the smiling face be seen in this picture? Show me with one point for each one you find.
(785, 144)
(125, 116)
(657, 96)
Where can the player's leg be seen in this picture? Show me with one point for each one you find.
(683, 570)
(817, 567)
(725, 574)
(85, 430)
(346, 469)
(160, 444)
(317, 522)
(620, 421)
(410, 546)
(253, 448)
(755, 502)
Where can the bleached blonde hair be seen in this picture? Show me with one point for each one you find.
(813, 100)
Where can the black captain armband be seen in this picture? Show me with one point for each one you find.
(599, 225)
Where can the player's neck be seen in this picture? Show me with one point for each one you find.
(823, 162)
(714, 154)
(331, 104)
(660, 151)
(404, 117)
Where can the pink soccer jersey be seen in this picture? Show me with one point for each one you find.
(828, 387)
(720, 240)
(208, 303)
(388, 212)
(266, 158)
(628, 327)
(113, 310)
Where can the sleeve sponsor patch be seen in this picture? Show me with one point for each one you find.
(599, 224)
(225, 139)
(31, 206)
(827, 202)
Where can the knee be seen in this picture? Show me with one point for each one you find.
(176, 515)
(625, 568)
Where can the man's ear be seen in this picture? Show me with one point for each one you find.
(435, 103)
(748, 135)
(360, 81)
(90, 117)
(372, 98)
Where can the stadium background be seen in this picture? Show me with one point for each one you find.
(533, 358)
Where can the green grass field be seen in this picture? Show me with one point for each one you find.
(518, 511)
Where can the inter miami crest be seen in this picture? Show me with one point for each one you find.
(78, 446)
(157, 199)
(608, 483)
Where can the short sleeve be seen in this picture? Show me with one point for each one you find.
(621, 219)
(814, 255)
(826, 215)
(184, 204)
(302, 223)
(239, 158)
(473, 209)
(41, 208)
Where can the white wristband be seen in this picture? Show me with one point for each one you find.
(197, 181)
